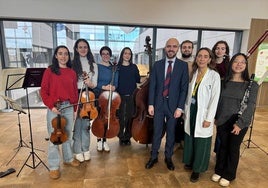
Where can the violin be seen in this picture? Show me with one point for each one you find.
(106, 125)
(58, 136)
(88, 110)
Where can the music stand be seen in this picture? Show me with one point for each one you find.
(33, 78)
(249, 140)
(16, 107)
(14, 81)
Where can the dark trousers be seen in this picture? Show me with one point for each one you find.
(126, 111)
(160, 116)
(228, 152)
(179, 131)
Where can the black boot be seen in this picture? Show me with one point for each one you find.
(194, 177)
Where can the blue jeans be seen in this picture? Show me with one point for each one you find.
(53, 150)
(81, 135)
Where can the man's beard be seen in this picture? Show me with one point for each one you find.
(186, 55)
(170, 56)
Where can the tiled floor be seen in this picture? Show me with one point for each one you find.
(123, 166)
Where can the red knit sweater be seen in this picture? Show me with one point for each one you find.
(61, 87)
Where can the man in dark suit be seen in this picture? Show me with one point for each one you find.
(167, 106)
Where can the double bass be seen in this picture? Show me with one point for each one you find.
(142, 123)
(106, 125)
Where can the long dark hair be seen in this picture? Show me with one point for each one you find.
(120, 61)
(76, 63)
(55, 68)
(229, 74)
(226, 58)
(211, 65)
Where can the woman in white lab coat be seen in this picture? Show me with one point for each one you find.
(200, 109)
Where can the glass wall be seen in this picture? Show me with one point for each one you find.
(30, 44)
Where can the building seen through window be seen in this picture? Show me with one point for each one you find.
(30, 44)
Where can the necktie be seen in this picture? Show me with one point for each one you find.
(167, 80)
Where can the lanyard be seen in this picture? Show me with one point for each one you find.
(197, 83)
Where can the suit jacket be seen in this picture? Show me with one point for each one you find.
(178, 85)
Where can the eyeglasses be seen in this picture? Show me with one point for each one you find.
(240, 62)
(105, 54)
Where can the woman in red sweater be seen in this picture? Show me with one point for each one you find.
(59, 86)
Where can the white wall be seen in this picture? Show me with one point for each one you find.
(218, 14)
(227, 14)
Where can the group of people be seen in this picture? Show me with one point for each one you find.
(205, 89)
(64, 82)
(210, 91)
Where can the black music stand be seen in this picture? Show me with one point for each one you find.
(16, 107)
(14, 81)
(249, 140)
(33, 78)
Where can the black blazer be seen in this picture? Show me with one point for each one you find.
(178, 87)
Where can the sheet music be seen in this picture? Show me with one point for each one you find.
(13, 104)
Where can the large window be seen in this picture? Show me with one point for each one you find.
(31, 44)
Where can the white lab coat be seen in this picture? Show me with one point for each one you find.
(207, 96)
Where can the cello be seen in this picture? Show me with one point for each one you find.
(106, 125)
(142, 123)
(88, 110)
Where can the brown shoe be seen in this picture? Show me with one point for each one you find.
(74, 163)
(54, 174)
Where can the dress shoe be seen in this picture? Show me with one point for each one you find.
(127, 142)
(194, 177)
(151, 163)
(169, 164)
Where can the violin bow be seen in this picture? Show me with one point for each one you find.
(77, 104)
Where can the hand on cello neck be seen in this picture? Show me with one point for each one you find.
(108, 87)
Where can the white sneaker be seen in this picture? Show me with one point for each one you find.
(99, 146)
(87, 155)
(224, 182)
(79, 157)
(215, 177)
(106, 147)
